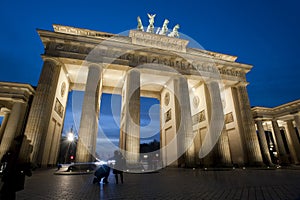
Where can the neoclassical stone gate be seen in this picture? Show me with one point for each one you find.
(202, 95)
(15, 103)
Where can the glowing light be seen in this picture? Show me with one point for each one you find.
(70, 137)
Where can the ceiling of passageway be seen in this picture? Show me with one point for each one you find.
(114, 77)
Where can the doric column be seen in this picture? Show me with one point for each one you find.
(4, 121)
(88, 130)
(40, 112)
(236, 136)
(54, 148)
(263, 143)
(250, 137)
(13, 127)
(212, 143)
(130, 117)
(222, 155)
(283, 159)
(184, 122)
(297, 122)
(293, 142)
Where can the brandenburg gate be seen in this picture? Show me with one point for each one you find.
(205, 114)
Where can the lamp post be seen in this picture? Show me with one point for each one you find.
(70, 140)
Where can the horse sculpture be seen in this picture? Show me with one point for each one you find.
(164, 28)
(150, 28)
(161, 31)
(140, 25)
(174, 32)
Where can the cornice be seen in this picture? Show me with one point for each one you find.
(15, 92)
(71, 45)
(290, 108)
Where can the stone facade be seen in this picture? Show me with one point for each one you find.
(206, 119)
(279, 132)
(15, 103)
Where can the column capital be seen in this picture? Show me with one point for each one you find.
(258, 119)
(4, 110)
(296, 114)
(241, 84)
(52, 60)
(288, 120)
(94, 64)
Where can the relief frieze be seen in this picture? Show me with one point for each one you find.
(135, 59)
(59, 108)
(229, 118)
(168, 115)
(199, 117)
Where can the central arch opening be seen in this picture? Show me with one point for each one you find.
(109, 124)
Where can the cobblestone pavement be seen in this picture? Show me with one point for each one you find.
(168, 183)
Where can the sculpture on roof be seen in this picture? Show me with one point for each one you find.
(150, 28)
(164, 28)
(174, 32)
(161, 31)
(140, 25)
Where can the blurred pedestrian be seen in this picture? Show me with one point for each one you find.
(15, 170)
(102, 172)
(119, 166)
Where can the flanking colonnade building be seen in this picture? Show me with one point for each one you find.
(197, 90)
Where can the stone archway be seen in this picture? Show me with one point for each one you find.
(15, 102)
(189, 92)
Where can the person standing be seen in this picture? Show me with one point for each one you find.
(119, 166)
(14, 173)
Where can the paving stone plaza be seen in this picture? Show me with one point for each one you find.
(170, 183)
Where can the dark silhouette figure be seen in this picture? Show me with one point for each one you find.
(102, 172)
(119, 166)
(15, 170)
(8, 190)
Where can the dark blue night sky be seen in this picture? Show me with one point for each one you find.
(265, 34)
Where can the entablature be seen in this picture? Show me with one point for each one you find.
(109, 48)
(15, 92)
(288, 109)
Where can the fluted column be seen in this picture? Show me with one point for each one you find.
(297, 122)
(88, 130)
(14, 126)
(54, 148)
(184, 122)
(293, 142)
(216, 140)
(4, 121)
(250, 137)
(263, 143)
(222, 155)
(282, 155)
(236, 136)
(40, 112)
(130, 117)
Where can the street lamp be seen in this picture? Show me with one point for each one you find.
(70, 140)
(70, 137)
